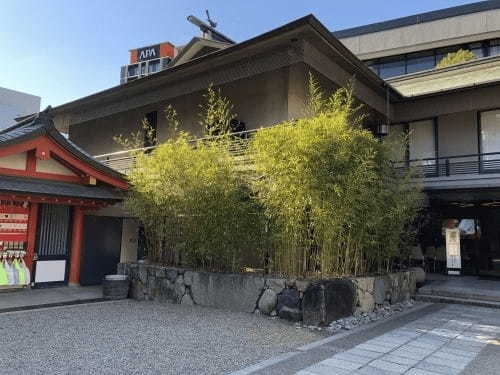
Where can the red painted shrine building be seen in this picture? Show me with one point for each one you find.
(48, 186)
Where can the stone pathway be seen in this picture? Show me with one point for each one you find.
(444, 342)
(28, 299)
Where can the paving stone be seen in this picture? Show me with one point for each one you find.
(389, 366)
(363, 353)
(408, 353)
(417, 371)
(458, 352)
(452, 357)
(369, 370)
(342, 364)
(458, 364)
(400, 360)
(374, 348)
(352, 358)
(440, 369)
(322, 369)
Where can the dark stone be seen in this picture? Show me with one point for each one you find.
(288, 298)
(289, 313)
(313, 305)
(329, 300)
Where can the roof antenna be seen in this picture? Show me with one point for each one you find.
(210, 21)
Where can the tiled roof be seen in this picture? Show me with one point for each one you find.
(36, 186)
(42, 124)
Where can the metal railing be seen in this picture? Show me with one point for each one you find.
(123, 161)
(453, 165)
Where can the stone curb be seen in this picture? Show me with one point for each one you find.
(50, 305)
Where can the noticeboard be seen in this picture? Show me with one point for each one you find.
(453, 260)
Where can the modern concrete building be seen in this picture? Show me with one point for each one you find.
(15, 104)
(452, 115)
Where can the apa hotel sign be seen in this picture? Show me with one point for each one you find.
(148, 53)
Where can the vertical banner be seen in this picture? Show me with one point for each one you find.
(453, 260)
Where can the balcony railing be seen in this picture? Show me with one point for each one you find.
(123, 161)
(453, 165)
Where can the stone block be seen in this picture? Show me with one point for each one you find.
(188, 278)
(187, 300)
(365, 289)
(171, 274)
(382, 289)
(292, 314)
(288, 298)
(277, 285)
(226, 291)
(142, 273)
(302, 285)
(267, 301)
(329, 300)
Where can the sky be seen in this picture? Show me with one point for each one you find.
(62, 50)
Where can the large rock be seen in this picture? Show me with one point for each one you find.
(289, 313)
(419, 274)
(277, 285)
(226, 291)
(288, 298)
(326, 301)
(267, 302)
(382, 289)
(366, 293)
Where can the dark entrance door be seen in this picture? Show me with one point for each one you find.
(52, 246)
(102, 240)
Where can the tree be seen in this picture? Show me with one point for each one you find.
(335, 204)
(453, 58)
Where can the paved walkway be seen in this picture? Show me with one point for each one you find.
(36, 298)
(464, 287)
(445, 342)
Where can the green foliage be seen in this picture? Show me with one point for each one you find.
(335, 203)
(453, 58)
(216, 113)
(194, 206)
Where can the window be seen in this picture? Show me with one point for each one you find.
(133, 70)
(442, 52)
(477, 49)
(153, 66)
(417, 62)
(422, 139)
(152, 121)
(495, 47)
(490, 139)
(393, 68)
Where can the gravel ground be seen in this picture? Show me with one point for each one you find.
(130, 337)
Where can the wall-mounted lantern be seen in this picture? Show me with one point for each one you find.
(382, 130)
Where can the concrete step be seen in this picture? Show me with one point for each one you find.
(475, 294)
(455, 300)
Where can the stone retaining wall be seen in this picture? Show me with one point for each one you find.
(317, 302)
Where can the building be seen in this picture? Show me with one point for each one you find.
(452, 115)
(47, 187)
(15, 104)
(153, 59)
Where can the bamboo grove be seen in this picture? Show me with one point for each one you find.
(321, 198)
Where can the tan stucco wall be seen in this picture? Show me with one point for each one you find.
(14, 161)
(130, 231)
(454, 30)
(52, 166)
(457, 134)
(258, 101)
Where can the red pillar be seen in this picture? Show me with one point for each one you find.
(76, 246)
(32, 224)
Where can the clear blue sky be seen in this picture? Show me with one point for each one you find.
(62, 50)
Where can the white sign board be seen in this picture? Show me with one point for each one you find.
(453, 251)
(50, 271)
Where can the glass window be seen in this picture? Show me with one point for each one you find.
(422, 139)
(143, 68)
(133, 70)
(495, 47)
(477, 49)
(490, 139)
(417, 62)
(442, 52)
(154, 66)
(393, 68)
